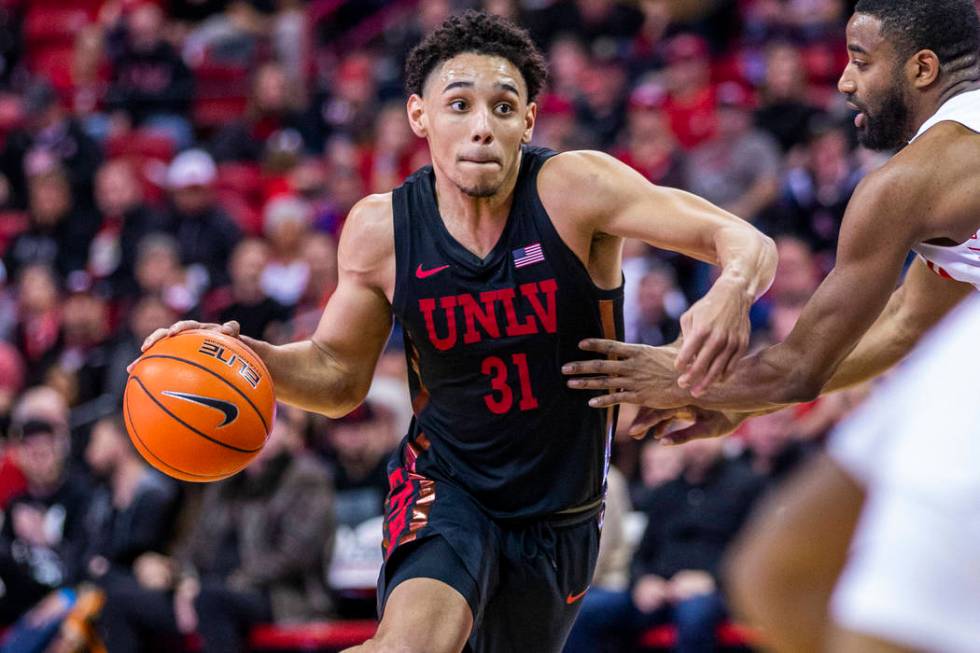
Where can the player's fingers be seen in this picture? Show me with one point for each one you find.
(715, 371)
(608, 347)
(743, 346)
(153, 338)
(713, 346)
(692, 344)
(649, 418)
(183, 325)
(696, 431)
(605, 401)
(599, 383)
(597, 366)
(231, 328)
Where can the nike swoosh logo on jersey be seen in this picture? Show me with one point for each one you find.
(424, 274)
(229, 409)
(572, 598)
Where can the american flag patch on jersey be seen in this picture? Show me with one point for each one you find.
(528, 255)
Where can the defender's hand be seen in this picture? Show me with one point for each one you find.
(680, 425)
(716, 333)
(635, 374)
(231, 328)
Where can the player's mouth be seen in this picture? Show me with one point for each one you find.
(861, 118)
(479, 160)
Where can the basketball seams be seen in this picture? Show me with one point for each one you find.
(131, 424)
(188, 426)
(218, 376)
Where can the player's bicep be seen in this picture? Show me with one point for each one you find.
(928, 297)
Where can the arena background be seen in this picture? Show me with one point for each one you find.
(197, 158)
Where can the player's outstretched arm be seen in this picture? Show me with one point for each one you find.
(331, 372)
(617, 201)
(878, 230)
(920, 303)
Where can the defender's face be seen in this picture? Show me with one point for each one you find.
(875, 84)
(475, 116)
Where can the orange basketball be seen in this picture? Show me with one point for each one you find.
(199, 405)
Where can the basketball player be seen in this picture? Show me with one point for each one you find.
(913, 76)
(497, 260)
(904, 469)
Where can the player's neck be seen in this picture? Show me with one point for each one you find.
(929, 108)
(475, 221)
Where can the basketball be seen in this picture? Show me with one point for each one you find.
(199, 405)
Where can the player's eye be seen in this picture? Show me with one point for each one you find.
(458, 105)
(504, 108)
(860, 65)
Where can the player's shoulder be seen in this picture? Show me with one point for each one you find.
(580, 180)
(368, 235)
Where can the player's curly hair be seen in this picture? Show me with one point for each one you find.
(950, 28)
(481, 33)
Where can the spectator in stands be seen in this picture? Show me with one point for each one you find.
(739, 168)
(151, 86)
(359, 445)
(659, 464)
(147, 315)
(58, 233)
(557, 128)
(660, 304)
(205, 233)
(84, 355)
(244, 300)
(320, 254)
(389, 159)
(256, 555)
(125, 220)
(43, 529)
(350, 108)
(90, 81)
(600, 23)
(50, 139)
(12, 481)
(675, 570)
(38, 333)
(569, 59)
(773, 450)
(272, 108)
(159, 273)
(691, 100)
(600, 107)
(649, 145)
(286, 226)
(130, 515)
(815, 193)
(786, 110)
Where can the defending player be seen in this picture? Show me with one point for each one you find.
(913, 75)
(497, 261)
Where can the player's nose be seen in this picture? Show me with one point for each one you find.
(845, 84)
(482, 132)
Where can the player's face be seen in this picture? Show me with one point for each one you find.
(875, 84)
(475, 116)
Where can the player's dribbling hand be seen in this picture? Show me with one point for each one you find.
(231, 328)
(715, 334)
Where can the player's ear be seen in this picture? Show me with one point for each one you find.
(530, 116)
(417, 117)
(923, 68)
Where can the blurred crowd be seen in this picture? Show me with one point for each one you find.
(197, 158)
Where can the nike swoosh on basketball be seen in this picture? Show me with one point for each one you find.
(424, 274)
(572, 598)
(229, 409)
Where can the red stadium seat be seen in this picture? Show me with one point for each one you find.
(729, 635)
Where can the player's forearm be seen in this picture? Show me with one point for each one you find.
(747, 259)
(310, 377)
(767, 380)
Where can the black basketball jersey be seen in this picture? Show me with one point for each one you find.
(485, 342)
